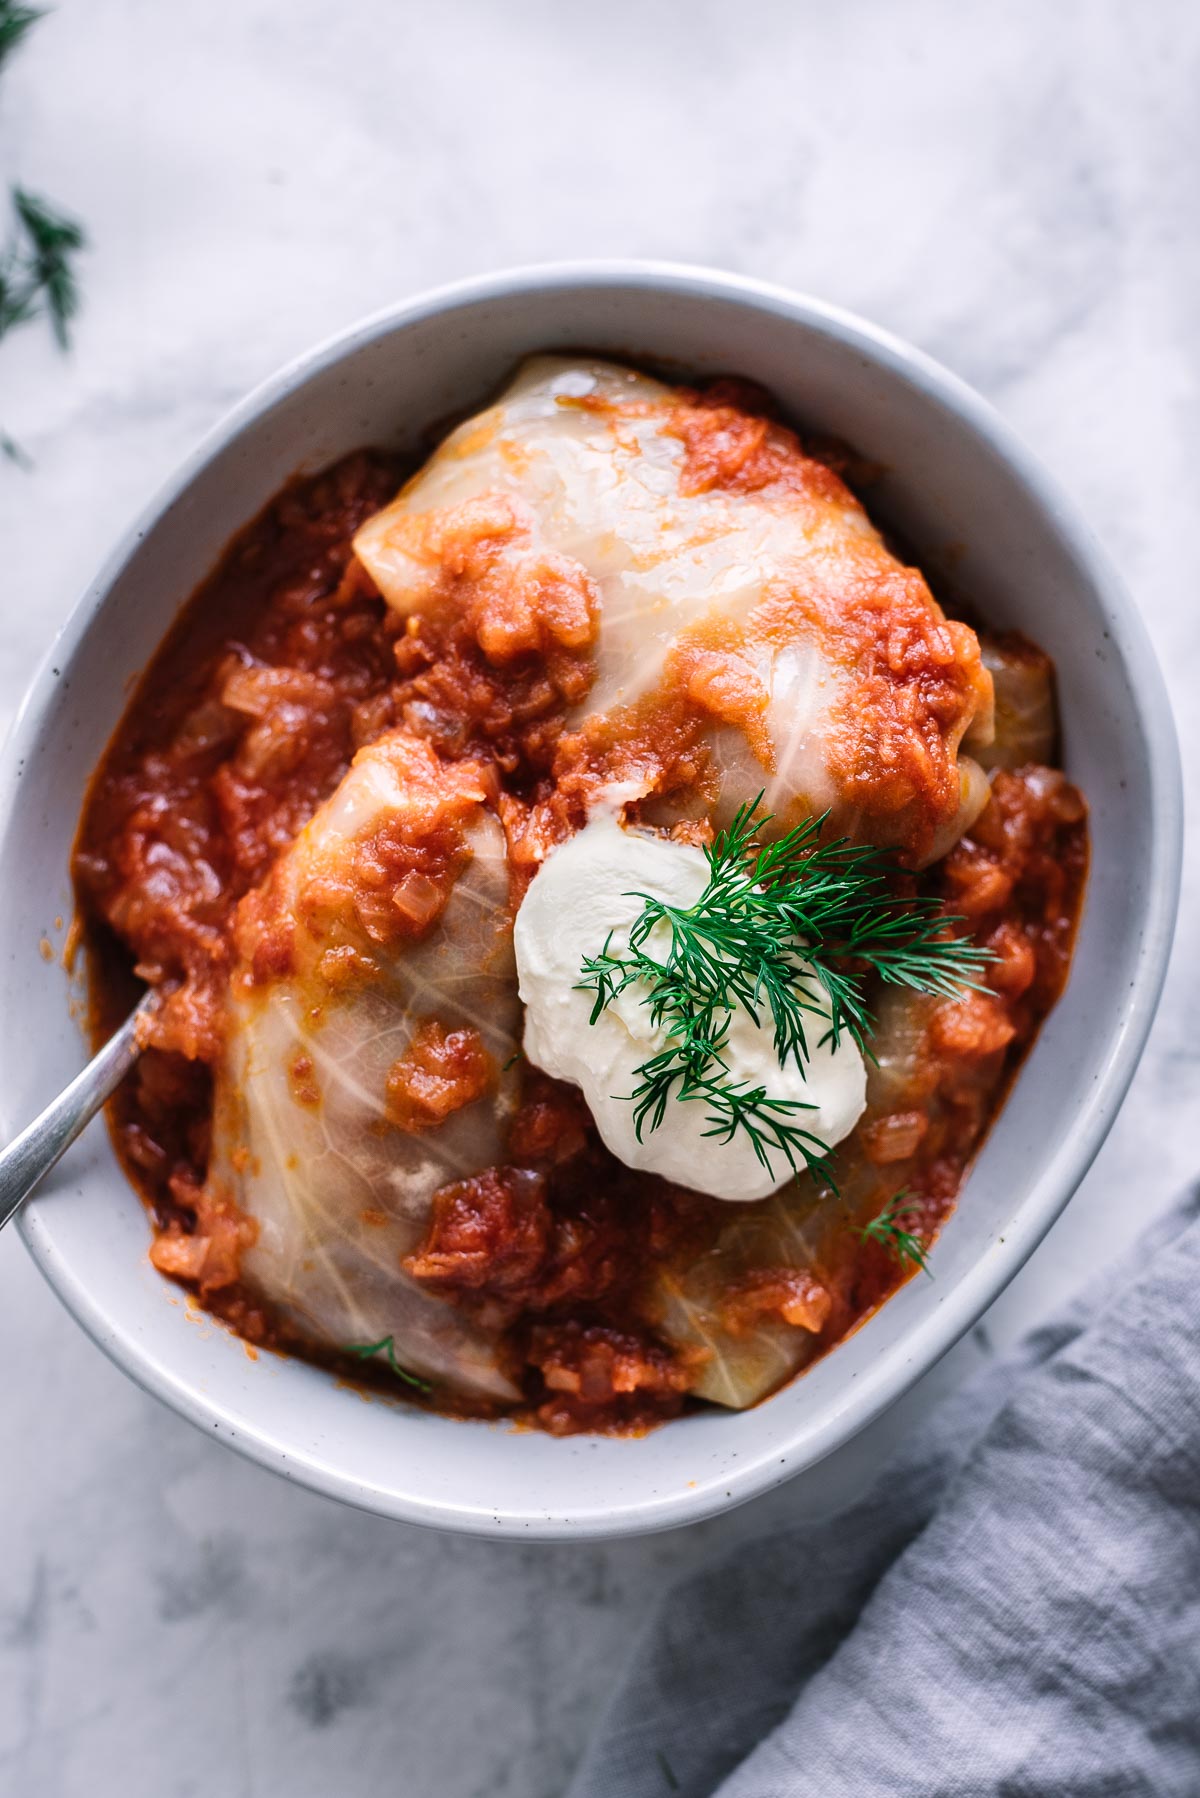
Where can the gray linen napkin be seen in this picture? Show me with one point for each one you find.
(1012, 1612)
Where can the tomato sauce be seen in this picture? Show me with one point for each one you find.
(282, 665)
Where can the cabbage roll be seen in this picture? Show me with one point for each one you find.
(1026, 726)
(757, 1302)
(370, 1019)
(707, 577)
(700, 561)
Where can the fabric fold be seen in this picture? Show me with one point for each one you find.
(1013, 1608)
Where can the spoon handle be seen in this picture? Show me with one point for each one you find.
(30, 1156)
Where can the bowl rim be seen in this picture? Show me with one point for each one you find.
(931, 1336)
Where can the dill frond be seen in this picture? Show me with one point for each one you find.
(37, 273)
(386, 1346)
(790, 931)
(15, 21)
(888, 1230)
(51, 240)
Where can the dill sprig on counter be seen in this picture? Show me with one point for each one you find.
(888, 1230)
(36, 273)
(790, 931)
(15, 21)
(37, 263)
(386, 1346)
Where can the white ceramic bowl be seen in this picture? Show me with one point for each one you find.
(957, 482)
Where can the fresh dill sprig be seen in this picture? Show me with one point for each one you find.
(11, 450)
(365, 1351)
(15, 21)
(791, 928)
(689, 1002)
(888, 1230)
(38, 273)
(679, 1072)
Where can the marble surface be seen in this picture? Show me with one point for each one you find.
(1010, 187)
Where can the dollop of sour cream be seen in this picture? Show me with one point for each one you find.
(586, 893)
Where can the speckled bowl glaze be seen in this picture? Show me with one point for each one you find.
(958, 485)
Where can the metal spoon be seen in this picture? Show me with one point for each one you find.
(30, 1156)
